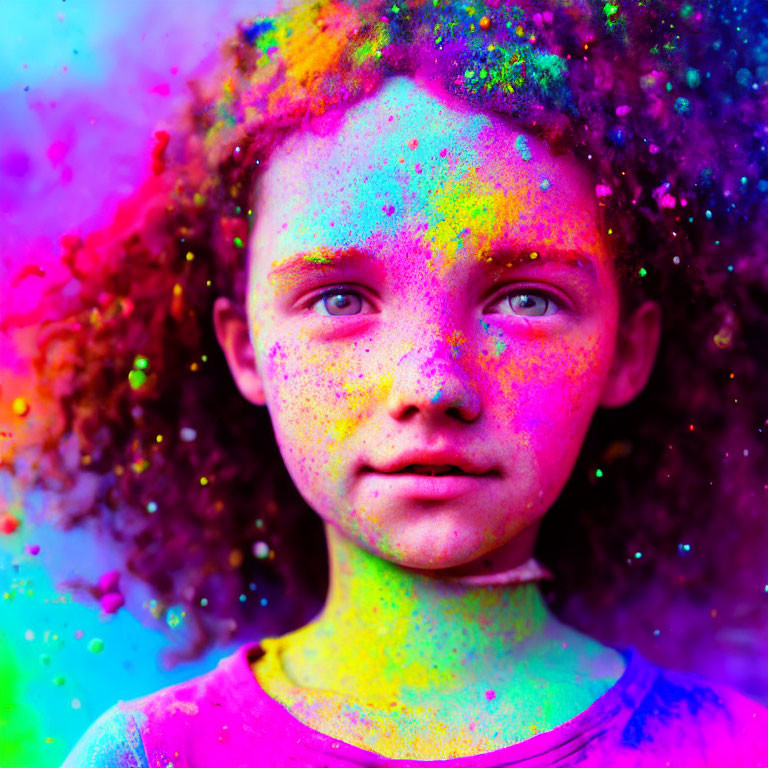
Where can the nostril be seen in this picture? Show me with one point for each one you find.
(461, 412)
(433, 385)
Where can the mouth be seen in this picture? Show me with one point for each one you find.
(430, 470)
(420, 463)
(427, 482)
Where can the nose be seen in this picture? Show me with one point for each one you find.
(429, 381)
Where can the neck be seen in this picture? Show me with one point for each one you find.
(415, 630)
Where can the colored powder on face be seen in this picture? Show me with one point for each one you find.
(499, 344)
(473, 205)
(359, 396)
(456, 340)
(341, 429)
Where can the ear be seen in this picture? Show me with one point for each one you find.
(636, 348)
(235, 341)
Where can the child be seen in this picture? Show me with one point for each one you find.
(433, 240)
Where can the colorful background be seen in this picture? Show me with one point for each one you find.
(83, 83)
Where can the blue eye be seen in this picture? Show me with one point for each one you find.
(525, 304)
(338, 302)
(529, 304)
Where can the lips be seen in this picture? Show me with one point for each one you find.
(432, 470)
(427, 481)
(430, 464)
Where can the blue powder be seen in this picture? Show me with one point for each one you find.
(521, 145)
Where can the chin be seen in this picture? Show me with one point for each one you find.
(435, 545)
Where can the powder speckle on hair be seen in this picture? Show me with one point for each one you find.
(521, 145)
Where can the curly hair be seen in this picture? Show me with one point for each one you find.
(666, 105)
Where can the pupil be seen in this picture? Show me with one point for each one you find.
(340, 301)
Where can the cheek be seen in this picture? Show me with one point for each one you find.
(548, 388)
(318, 396)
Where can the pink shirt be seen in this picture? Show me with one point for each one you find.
(224, 719)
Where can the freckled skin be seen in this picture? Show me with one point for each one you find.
(434, 357)
(350, 389)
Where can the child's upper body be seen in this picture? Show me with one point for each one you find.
(650, 718)
(434, 305)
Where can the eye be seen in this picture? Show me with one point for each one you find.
(338, 302)
(525, 303)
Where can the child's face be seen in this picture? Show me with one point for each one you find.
(428, 286)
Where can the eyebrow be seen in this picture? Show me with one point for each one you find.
(321, 259)
(506, 257)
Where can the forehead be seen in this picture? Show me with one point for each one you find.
(408, 160)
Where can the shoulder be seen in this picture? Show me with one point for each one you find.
(217, 717)
(113, 741)
(688, 715)
(230, 685)
(185, 718)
